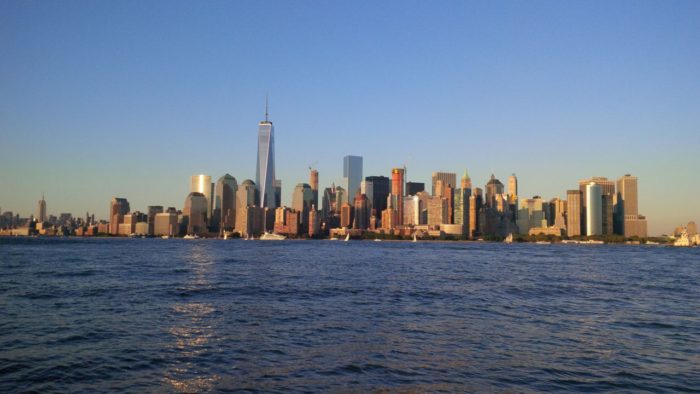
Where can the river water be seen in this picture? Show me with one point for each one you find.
(144, 315)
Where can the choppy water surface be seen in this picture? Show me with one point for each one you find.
(177, 315)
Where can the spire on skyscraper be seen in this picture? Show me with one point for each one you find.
(266, 102)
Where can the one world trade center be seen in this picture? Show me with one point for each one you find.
(265, 170)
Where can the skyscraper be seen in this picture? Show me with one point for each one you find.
(573, 213)
(202, 184)
(397, 179)
(265, 168)
(631, 223)
(594, 209)
(118, 207)
(302, 200)
(352, 174)
(195, 210)
(512, 185)
(412, 188)
(41, 210)
(225, 201)
(447, 178)
(313, 181)
(607, 189)
(494, 187)
(381, 187)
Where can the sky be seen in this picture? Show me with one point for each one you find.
(101, 99)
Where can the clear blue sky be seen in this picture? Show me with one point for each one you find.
(129, 98)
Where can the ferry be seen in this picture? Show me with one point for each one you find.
(683, 240)
(189, 236)
(272, 237)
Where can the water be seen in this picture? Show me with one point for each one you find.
(143, 315)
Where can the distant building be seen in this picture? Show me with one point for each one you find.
(118, 207)
(397, 193)
(361, 220)
(381, 188)
(414, 187)
(346, 215)
(41, 210)
(594, 209)
(314, 223)
(631, 223)
(195, 211)
(573, 213)
(352, 174)
(152, 211)
(437, 211)
(607, 190)
(265, 167)
(202, 184)
(225, 202)
(313, 181)
(447, 178)
(165, 224)
(302, 200)
(494, 187)
(512, 186)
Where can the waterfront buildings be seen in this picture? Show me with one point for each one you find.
(195, 212)
(118, 207)
(412, 188)
(313, 181)
(225, 203)
(41, 210)
(151, 212)
(302, 200)
(165, 223)
(352, 174)
(447, 178)
(202, 184)
(630, 222)
(573, 213)
(607, 189)
(397, 193)
(265, 167)
(594, 209)
(381, 188)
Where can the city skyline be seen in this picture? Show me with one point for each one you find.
(87, 119)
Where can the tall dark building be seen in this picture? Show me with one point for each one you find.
(414, 187)
(380, 191)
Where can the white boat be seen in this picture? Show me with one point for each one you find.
(347, 237)
(272, 237)
(165, 236)
(543, 243)
(189, 236)
(683, 240)
(333, 239)
(415, 238)
(509, 239)
(377, 240)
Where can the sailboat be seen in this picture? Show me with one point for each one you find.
(347, 237)
(415, 238)
(509, 239)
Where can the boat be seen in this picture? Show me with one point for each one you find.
(333, 239)
(415, 238)
(166, 236)
(543, 243)
(377, 240)
(509, 239)
(228, 234)
(347, 237)
(189, 236)
(683, 240)
(272, 237)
